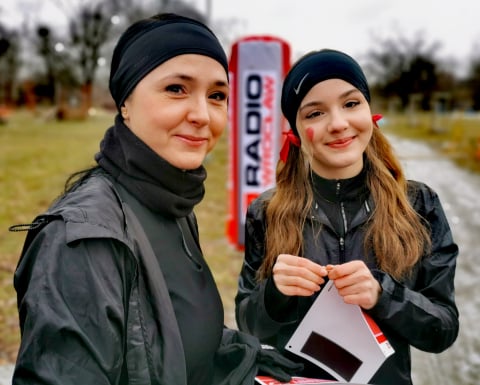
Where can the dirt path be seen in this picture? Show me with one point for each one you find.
(459, 193)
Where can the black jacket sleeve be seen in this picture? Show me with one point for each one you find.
(422, 309)
(72, 300)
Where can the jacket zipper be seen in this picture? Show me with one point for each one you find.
(344, 221)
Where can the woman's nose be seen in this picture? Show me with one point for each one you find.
(199, 112)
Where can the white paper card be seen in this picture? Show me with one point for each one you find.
(340, 338)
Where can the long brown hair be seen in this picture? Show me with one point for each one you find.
(395, 231)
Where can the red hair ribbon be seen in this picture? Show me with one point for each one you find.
(376, 118)
(290, 138)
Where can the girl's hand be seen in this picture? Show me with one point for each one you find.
(299, 276)
(355, 283)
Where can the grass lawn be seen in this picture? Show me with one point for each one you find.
(38, 154)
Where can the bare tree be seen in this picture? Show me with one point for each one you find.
(402, 67)
(46, 50)
(88, 32)
(9, 61)
(473, 81)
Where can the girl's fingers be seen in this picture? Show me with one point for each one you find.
(294, 265)
(295, 275)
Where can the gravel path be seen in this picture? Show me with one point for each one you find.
(458, 190)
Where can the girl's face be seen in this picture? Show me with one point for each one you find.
(180, 109)
(334, 122)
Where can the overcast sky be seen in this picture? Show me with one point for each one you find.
(349, 24)
(341, 24)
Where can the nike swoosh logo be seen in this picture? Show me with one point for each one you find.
(297, 90)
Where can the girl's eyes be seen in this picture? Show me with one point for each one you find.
(347, 105)
(312, 114)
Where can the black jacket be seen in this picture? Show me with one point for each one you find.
(419, 311)
(94, 307)
(90, 266)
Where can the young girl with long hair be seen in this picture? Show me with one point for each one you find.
(343, 210)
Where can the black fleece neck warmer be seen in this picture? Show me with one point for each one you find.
(160, 186)
(331, 194)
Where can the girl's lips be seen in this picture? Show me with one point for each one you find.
(340, 143)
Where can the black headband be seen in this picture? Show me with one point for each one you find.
(312, 69)
(149, 43)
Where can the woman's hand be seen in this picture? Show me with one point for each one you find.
(297, 275)
(355, 283)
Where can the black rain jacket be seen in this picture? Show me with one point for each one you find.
(96, 268)
(419, 311)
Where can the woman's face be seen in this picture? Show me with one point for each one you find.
(334, 122)
(180, 109)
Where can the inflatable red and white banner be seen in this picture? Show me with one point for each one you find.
(258, 65)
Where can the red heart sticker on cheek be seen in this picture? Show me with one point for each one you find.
(309, 132)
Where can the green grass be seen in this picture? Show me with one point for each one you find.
(37, 154)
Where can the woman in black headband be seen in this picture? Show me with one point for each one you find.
(342, 210)
(112, 284)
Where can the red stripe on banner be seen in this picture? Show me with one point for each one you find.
(232, 222)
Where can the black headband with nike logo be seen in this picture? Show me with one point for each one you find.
(313, 68)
